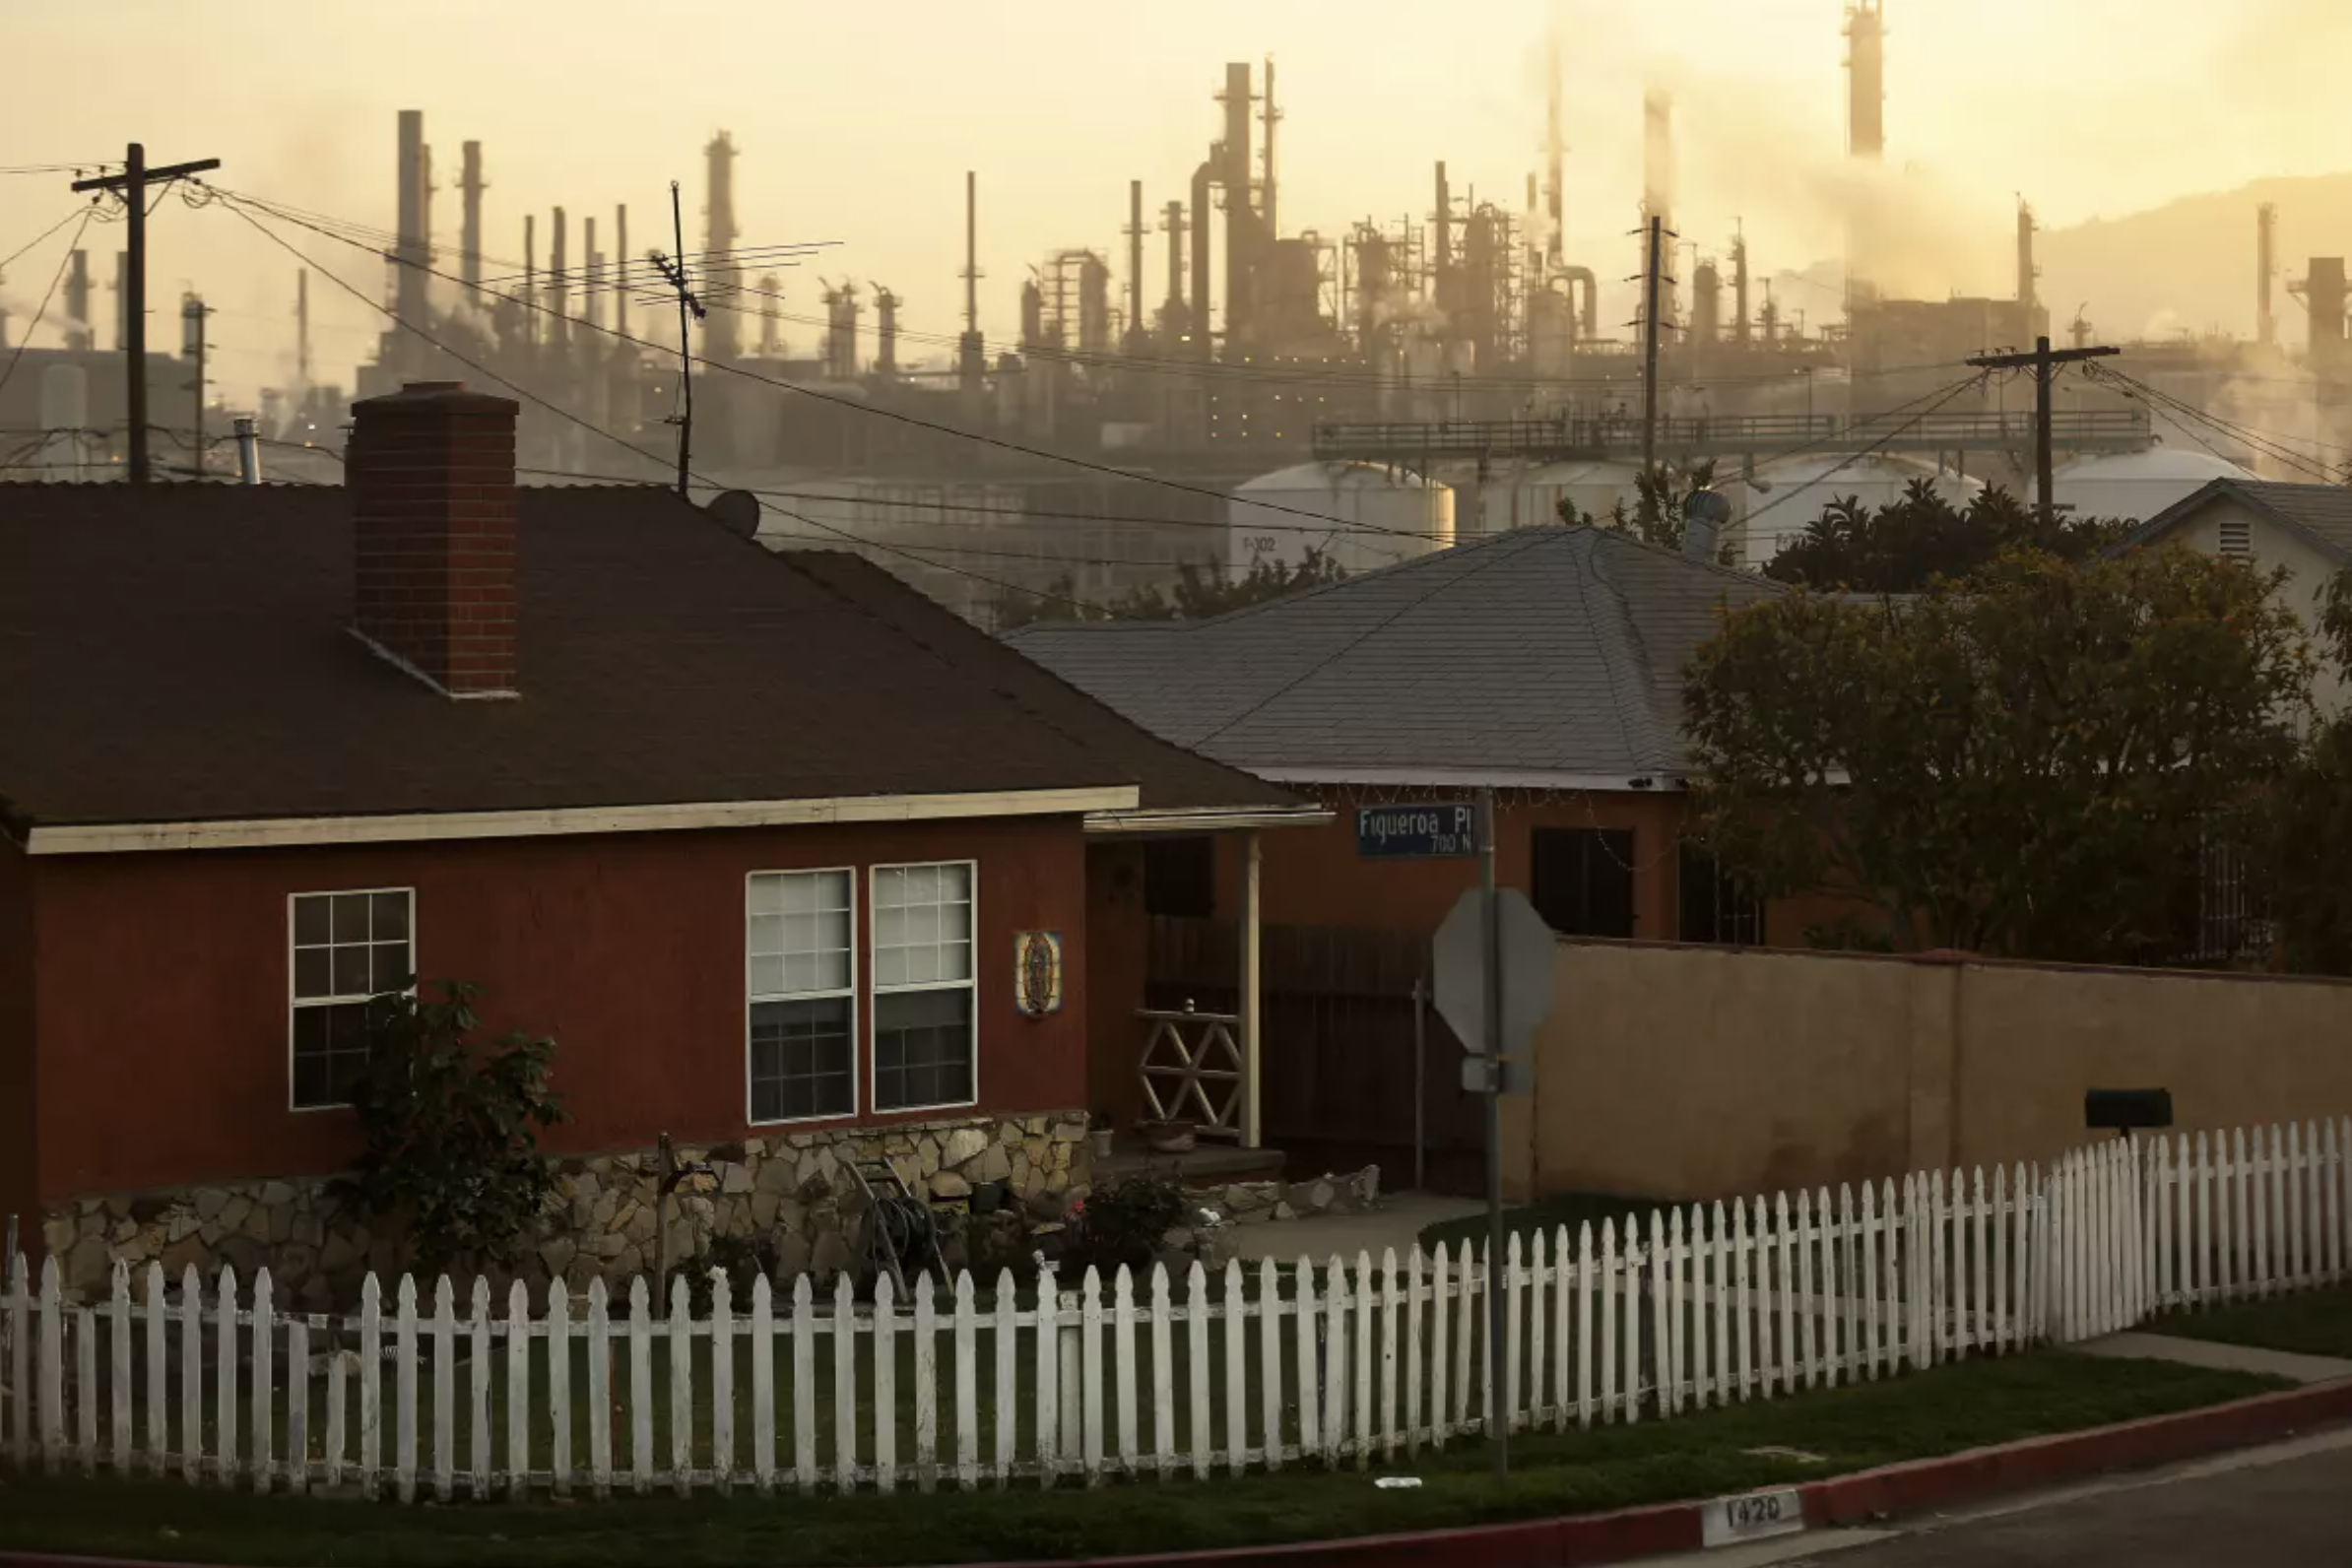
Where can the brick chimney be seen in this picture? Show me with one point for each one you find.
(430, 470)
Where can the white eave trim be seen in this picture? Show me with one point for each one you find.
(1471, 778)
(1230, 819)
(296, 832)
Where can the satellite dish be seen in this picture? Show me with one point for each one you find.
(738, 511)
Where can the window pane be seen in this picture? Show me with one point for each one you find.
(922, 1049)
(956, 885)
(351, 917)
(889, 966)
(314, 973)
(955, 960)
(390, 969)
(831, 971)
(765, 934)
(763, 895)
(351, 971)
(766, 977)
(889, 888)
(391, 916)
(311, 922)
(890, 926)
(330, 1048)
(800, 1059)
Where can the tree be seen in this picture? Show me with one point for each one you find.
(450, 1128)
(1902, 546)
(2312, 825)
(1198, 593)
(2031, 761)
(1657, 516)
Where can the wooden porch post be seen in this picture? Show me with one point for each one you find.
(1249, 995)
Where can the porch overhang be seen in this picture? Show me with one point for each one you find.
(1189, 821)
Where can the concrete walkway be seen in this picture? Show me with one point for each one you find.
(2286, 1364)
(1396, 1224)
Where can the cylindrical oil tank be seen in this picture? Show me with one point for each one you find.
(1788, 496)
(1378, 517)
(1532, 499)
(2133, 487)
(64, 417)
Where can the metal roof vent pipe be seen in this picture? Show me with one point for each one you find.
(1703, 517)
(248, 450)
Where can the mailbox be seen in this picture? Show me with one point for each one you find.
(2126, 1110)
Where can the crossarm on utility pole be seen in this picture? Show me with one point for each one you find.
(2044, 361)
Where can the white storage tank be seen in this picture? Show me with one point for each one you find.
(1788, 496)
(1532, 499)
(1378, 516)
(2134, 487)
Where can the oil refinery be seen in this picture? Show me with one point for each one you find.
(1185, 382)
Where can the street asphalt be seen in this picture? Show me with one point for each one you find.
(2292, 1514)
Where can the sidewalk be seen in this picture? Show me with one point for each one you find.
(1398, 1222)
(2142, 1346)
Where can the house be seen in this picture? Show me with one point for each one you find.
(757, 837)
(2306, 529)
(1545, 663)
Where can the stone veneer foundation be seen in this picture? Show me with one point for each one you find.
(794, 1189)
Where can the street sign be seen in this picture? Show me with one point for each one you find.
(1426, 830)
(1530, 954)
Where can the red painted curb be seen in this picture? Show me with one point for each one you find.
(1582, 1539)
(2038, 1462)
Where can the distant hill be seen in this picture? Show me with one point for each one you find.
(2188, 266)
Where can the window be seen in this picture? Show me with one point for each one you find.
(1180, 877)
(347, 948)
(1717, 906)
(924, 1041)
(801, 977)
(1583, 882)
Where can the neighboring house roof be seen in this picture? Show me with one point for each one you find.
(2319, 514)
(179, 654)
(1542, 656)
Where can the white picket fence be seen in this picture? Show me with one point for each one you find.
(1247, 1368)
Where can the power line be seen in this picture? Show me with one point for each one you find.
(621, 442)
(1949, 393)
(2268, 444)
(82, 213)
(63, 262)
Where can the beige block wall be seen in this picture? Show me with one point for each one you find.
(1701, 1073)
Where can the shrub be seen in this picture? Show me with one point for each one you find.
(1126, 1223)
(450, 1128)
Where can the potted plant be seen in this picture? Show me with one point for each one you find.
(1102, 1130)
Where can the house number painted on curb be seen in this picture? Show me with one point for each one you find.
(1753, 1516)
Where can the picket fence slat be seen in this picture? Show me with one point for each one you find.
(1129, 1374)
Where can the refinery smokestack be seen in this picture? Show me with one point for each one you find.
(2027, 272)
(79, 339)
(1658, 189)
(591, 265)
(719, 236)
(1241, 227)
(970, 353)
(620, 255)
(2265, 272)
(470, 188)
(1866, 79)
(1555, 152)
(1135, 264)
(1203, 178)
(558, 287)
(413, 253)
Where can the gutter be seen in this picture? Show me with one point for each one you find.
(1209, 820)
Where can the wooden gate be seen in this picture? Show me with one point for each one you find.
(1336, 1068)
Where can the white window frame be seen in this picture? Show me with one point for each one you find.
(295, 1003)
(857, 1085)
(970, 984)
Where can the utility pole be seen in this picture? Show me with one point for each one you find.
(132, 183)
(2044, 363)
(689, 309)
(191, 325)
(1653, 277)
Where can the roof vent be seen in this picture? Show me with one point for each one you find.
(2236, 538)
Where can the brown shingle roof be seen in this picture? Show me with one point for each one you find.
(179, 654)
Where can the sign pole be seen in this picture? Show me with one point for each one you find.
(1498, 1422)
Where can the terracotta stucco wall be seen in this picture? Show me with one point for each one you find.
(18, 1160)
(1701, 1073)
(163, 1028)
(1313, 876)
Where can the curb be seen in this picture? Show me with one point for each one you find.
(1583, 1540)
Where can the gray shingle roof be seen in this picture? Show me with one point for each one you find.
(2320, 513)
(1551, 652)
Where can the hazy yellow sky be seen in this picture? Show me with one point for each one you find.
(856, 123)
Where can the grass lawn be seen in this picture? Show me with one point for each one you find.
(1545, 1215)
(1950, 1409)
(2316, 1323)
